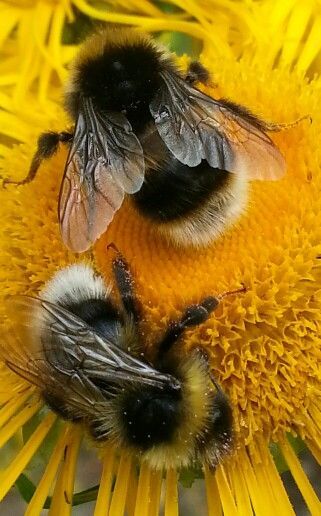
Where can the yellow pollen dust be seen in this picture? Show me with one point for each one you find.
(264, 344)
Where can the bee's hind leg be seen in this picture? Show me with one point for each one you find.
(125, 284)
(47, 146)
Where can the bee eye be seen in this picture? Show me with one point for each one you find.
(127, 85)
(118, 66)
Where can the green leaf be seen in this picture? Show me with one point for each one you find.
(297, 444)
(27, 488)
(44, 452)
(89, 495)
(280, 462)
(10, 450)
(76, 31)
(180, 43)
(166, 7)
(32, 424)
(278, 458)
(188, 476)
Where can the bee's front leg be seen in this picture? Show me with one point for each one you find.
(47, 146)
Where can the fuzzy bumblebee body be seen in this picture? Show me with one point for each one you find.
(121, 72)
(142, 128)
(190, 206)
(86, 356)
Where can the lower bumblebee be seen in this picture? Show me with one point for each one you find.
(85, 354)
(142, 127)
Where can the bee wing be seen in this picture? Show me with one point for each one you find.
(22, 353)
(195, 127)
(104, 162)
(66, 345)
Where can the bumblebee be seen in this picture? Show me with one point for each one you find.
(141, 127)
(85, 353)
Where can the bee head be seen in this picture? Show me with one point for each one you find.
(118, 70)
(151, 416)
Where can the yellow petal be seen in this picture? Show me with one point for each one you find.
(104, 493)
(18, 420)
(12, 472)
(143, 491)
(214, 506)
(171, 494)
(61, 502)
(118, 500)
(39, 497)
(308, 493)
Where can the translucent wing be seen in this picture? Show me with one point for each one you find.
(60, 343)
(105, 161)
(76, 396)
(196, 127)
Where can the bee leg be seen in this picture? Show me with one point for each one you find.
(204, 355)
(47, 146)
(193, 316)
(125, 285)
(196, 72)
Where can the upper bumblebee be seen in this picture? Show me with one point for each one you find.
(142, 127)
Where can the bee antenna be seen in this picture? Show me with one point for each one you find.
(112, 246)
(240, 290)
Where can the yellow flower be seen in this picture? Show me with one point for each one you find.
(34, 35)
(264, 345)
(34, 38)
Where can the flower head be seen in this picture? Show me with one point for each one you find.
(263, 346)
